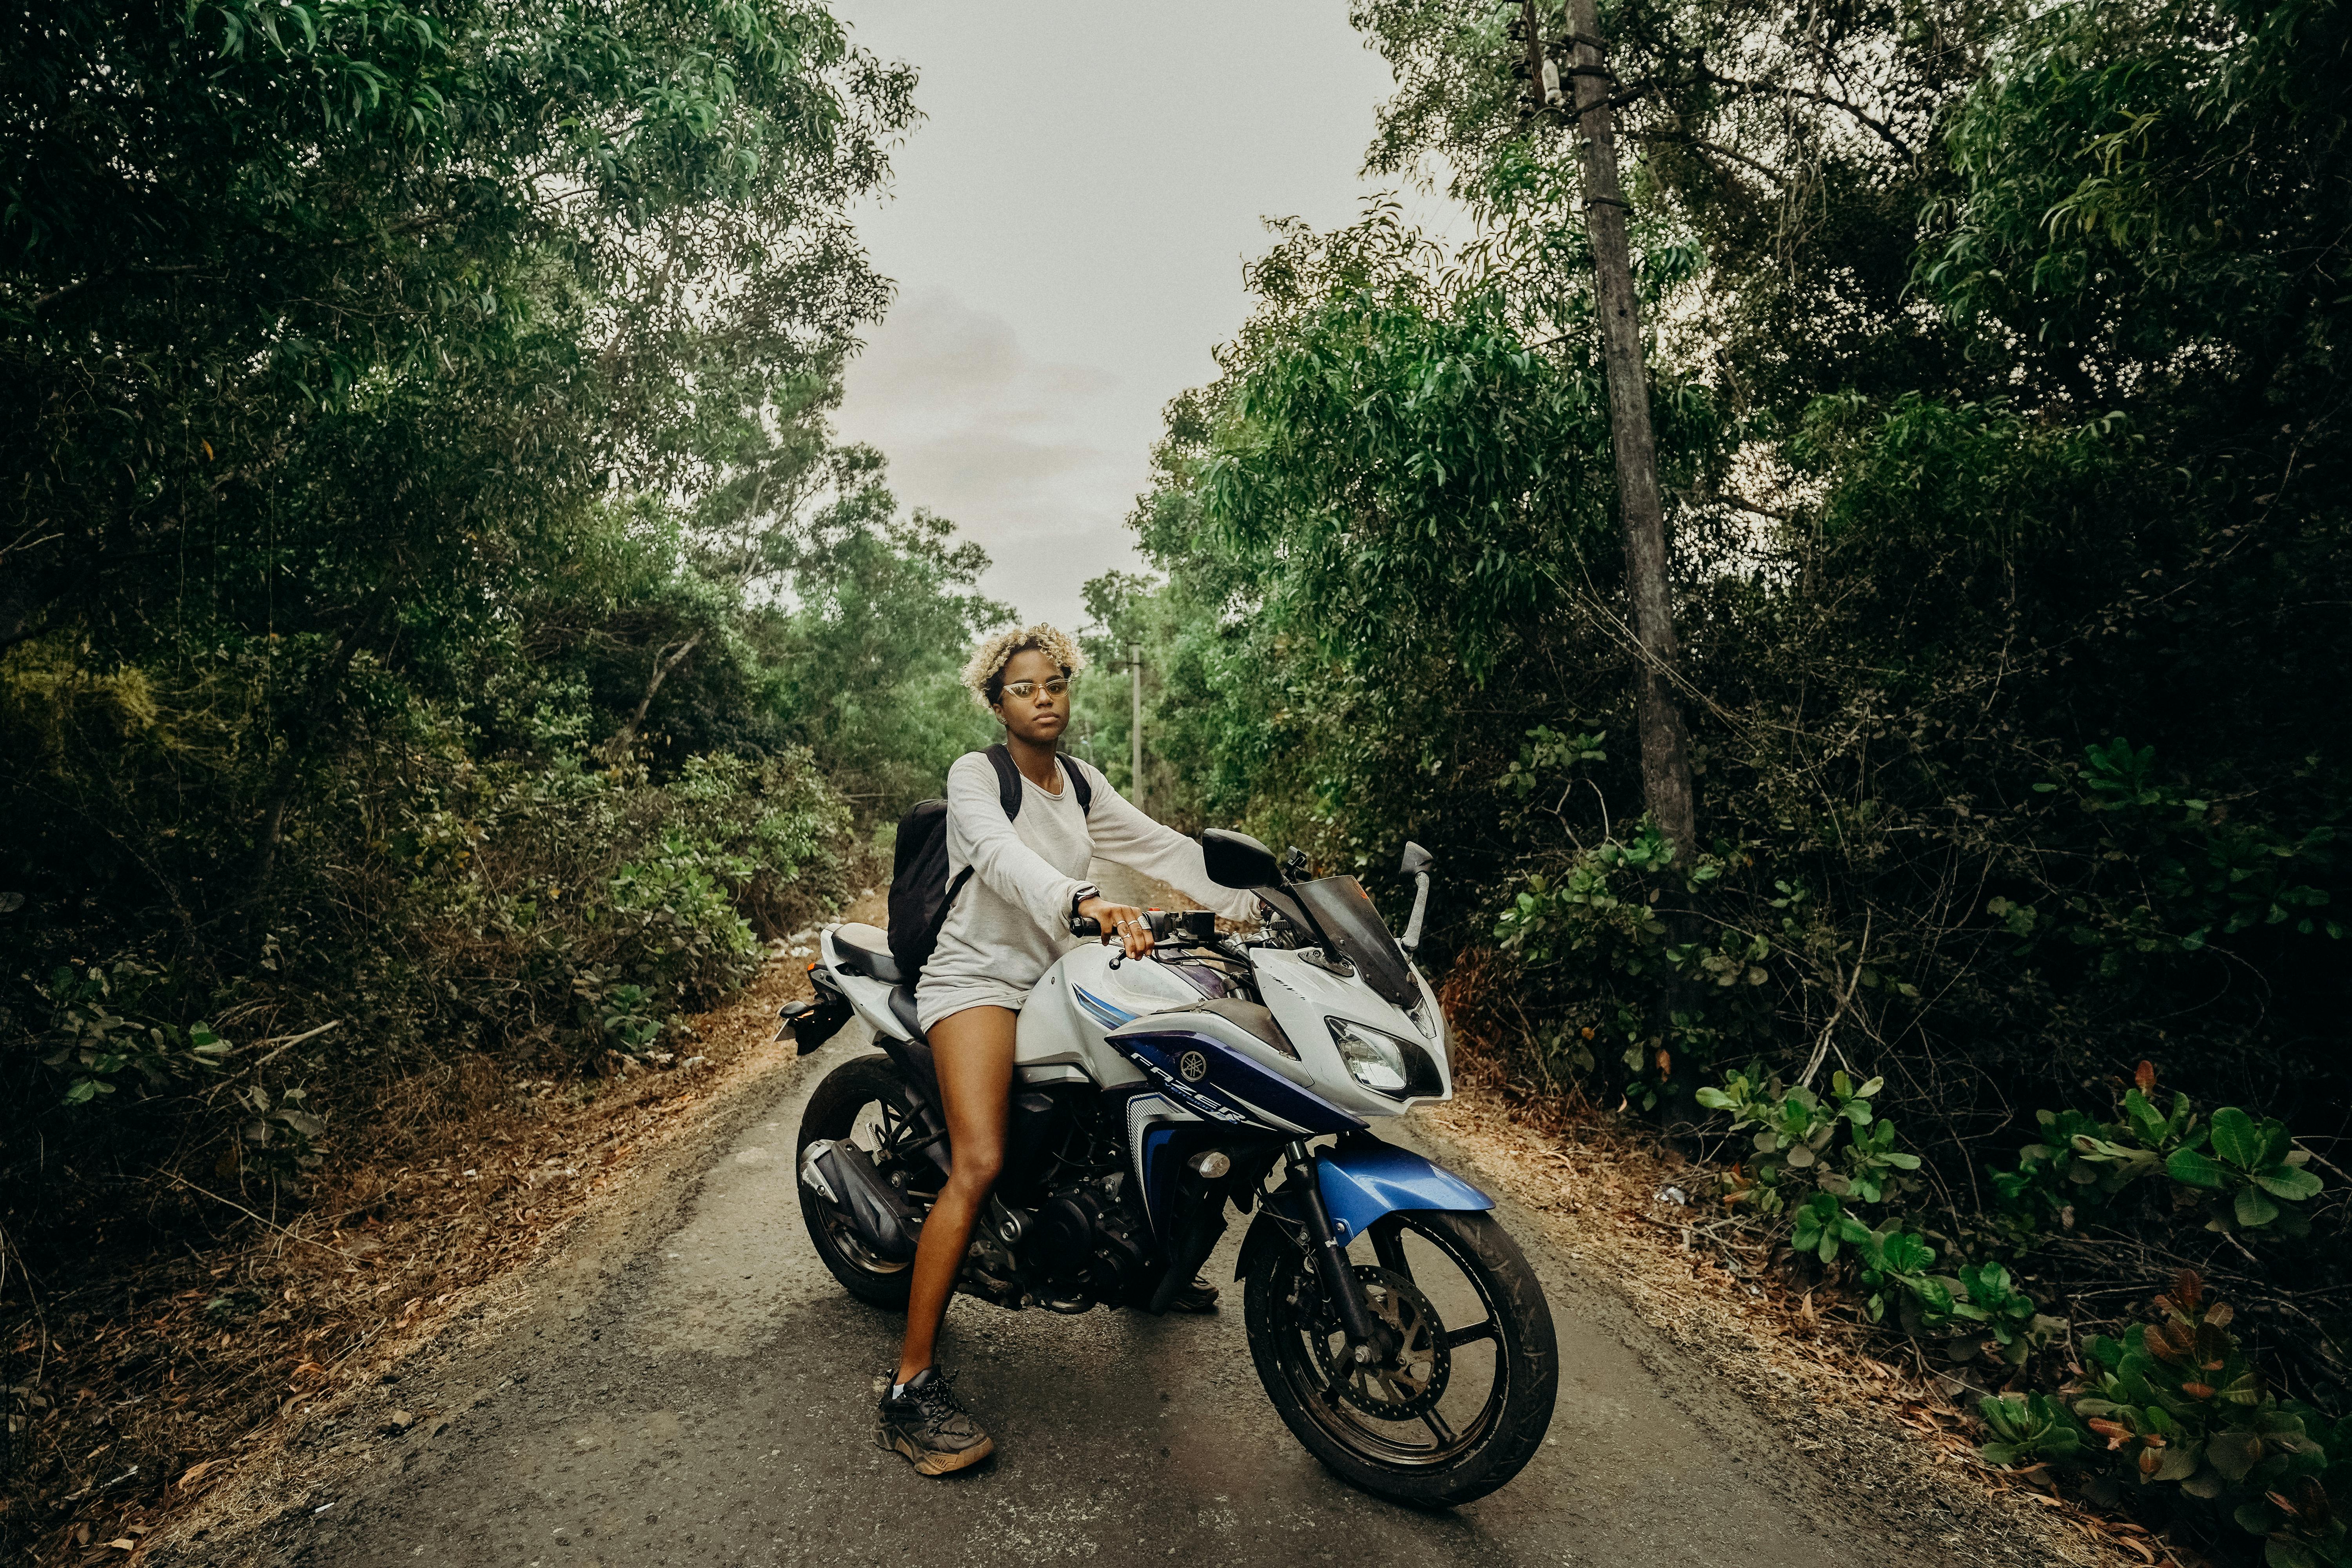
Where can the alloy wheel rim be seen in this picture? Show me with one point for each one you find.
(1297, 1342)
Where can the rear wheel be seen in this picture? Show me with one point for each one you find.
(862, 1104)
(1461, 1403)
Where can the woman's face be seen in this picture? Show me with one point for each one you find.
(1042, 716)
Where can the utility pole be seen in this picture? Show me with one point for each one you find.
(1135, 774)
(1666, 747)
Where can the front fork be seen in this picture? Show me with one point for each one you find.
(1340, 1287)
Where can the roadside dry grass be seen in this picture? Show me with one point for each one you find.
(157, 1389)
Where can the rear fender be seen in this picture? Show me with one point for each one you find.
(813, 1022)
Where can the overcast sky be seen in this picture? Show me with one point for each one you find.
(1067, 228)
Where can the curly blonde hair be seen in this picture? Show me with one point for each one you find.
(984, 673)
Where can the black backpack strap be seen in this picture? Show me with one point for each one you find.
(1008, 780)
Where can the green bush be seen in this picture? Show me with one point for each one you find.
(1796, 1136)
(2174, 1408)
(2250, 1168)
(1801, 1166)
(99, 1045)
(2176, 1403)
(547, 910)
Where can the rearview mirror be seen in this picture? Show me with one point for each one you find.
(1416, 859)
(1237, 860)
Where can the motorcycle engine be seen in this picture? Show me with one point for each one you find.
(1085, 1243)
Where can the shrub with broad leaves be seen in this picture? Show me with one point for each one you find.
(2250, 1173)
(2173, 1406)
(1794, 1140)
(99, 1044)
(2251, 1167)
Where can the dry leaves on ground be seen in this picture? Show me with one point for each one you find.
(143, 1393)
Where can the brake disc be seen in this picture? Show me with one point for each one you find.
(1411, 1380)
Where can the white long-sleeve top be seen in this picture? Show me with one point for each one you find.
(1011, 920)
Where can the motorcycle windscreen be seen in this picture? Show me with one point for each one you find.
(1344, 910)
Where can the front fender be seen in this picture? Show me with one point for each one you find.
(1363, 1179)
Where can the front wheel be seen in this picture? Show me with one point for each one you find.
(1460, 1404)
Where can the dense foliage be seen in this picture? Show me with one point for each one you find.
(1995, 363)
(434, 614)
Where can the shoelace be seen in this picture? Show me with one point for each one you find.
(937, 1400)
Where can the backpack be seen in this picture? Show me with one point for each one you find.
(920, 893)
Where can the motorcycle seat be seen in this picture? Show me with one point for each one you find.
(865, 950)
(902, 1008)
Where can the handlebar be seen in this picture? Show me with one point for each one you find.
(1197, 925)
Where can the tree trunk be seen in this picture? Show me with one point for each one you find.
(326, 685)
(665, 661)
(1666, 749)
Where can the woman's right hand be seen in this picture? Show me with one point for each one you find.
(1121, 922)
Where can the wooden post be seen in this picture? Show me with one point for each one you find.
(1135, 774)
(1665, 748)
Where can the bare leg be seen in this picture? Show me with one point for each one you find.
(974, 1050)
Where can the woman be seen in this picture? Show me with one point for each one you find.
(1008, 926)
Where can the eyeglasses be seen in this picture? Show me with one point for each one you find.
(1022, 690)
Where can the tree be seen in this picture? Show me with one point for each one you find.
(322, 319)
(1665, 748)
(1957, 501)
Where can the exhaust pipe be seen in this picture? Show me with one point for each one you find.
(843, 1176)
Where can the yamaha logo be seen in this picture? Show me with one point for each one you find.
(1193, 1066)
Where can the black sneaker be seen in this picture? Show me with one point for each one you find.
(1199, 1296)
(926, 1424)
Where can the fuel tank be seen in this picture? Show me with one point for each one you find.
(1081, 998)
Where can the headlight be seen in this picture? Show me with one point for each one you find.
(1383, 1063)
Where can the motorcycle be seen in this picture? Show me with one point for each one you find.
(1151, 1095)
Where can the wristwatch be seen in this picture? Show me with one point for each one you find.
(1085, 891)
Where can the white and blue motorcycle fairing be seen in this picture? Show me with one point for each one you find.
(1150, 1094)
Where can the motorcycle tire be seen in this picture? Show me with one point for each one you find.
(833, 1113)
(1518, 1410)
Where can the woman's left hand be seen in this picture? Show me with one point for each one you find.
(1120, 922)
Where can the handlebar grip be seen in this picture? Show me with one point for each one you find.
(1161, 923)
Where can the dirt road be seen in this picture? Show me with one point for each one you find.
(688, 1386)
(684, 1383)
